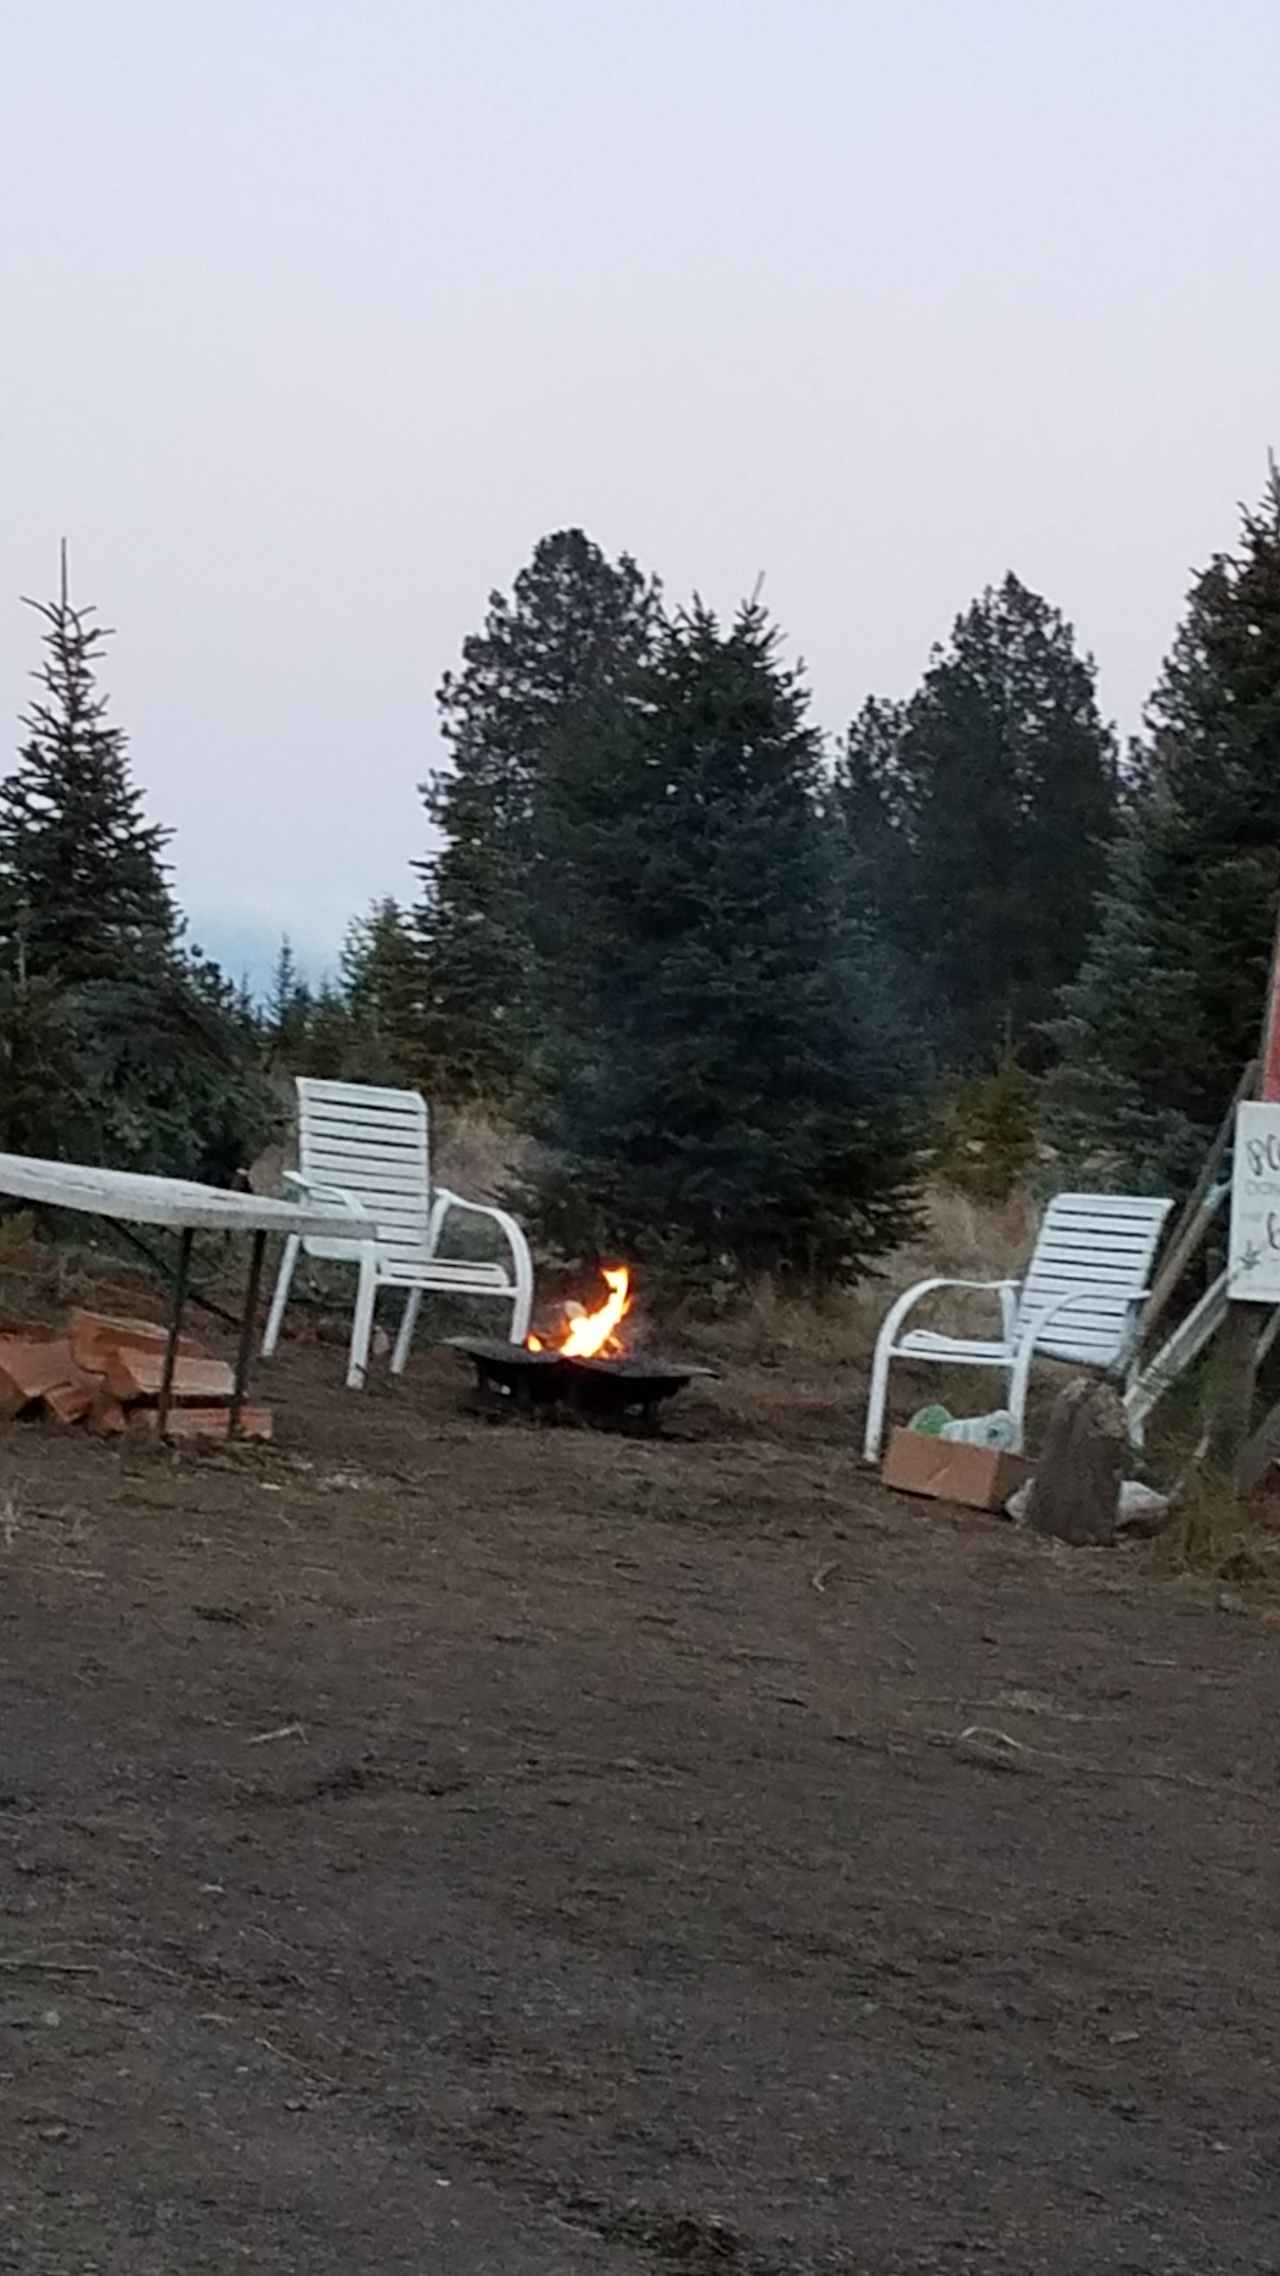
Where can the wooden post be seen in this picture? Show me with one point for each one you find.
(1269, 1072)
(1196, 1217)
(1232, 1381)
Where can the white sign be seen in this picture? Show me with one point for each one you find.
(1253, 1260)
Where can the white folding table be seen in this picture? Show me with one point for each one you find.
(186, 1209)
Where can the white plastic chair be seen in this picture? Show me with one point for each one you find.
(1079, 1300)
(371, 1147)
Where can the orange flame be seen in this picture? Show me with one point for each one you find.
(591, 1333)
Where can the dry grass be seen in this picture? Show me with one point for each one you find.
(1213, 1533)
(959, 1239)
(476, 1153)
(1209, 1529)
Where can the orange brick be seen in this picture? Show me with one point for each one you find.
(28, 1370)
(108, 1417)
(205, 1422)
(13, 1397)
(139, 1374)
(96, 1336)
(71, 1402)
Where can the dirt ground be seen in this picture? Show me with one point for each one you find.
(485, 1849)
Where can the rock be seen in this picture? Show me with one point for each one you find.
(1075, 1493)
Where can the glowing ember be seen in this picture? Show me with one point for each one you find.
(591, 1335)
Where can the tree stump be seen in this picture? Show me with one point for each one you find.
(1076, 1488)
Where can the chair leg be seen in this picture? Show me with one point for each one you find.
(362, 1322)
(877, 1399)
(522, 1303)
(400, 1356)
(1019, 1377)
(284, 1278)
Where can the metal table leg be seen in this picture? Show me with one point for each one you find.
(175, 1329)
(246, 1331)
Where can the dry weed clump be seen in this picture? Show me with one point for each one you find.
(1214, 1535)
(960, 1238)
(477, 1153)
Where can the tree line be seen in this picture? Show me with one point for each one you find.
(723, 974)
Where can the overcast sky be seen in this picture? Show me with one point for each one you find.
(317, 316)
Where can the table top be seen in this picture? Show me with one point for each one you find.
(175, 1202)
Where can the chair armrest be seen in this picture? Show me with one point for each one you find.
(1034, 1327)
(913, 1296)
(316, 1192)
(445, 1200)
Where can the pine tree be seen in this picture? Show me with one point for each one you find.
(41, 1067)
(287, 1012)
(119, 1044)
(167, 1080)
(331, 1052)
(83, 893)
(1167, 1007)
(719, 1106)
(978, 815)
(575, 627)
(285, 987)
(383, 980)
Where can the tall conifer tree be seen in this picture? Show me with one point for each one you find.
(575, 626)
(1167, 1007)
(978, 815)
(83, 892)
(720, 1101)
(119, 1043)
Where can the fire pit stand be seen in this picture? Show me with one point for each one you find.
(601, 1391)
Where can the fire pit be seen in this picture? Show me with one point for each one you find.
(599, 1390)
(586, 1372)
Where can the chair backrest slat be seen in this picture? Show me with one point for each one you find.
(375, 1145)
(1101, 1242)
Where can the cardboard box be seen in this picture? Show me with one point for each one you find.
(978, 1477)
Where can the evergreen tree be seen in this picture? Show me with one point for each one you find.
(575, 627)
(287, 988)
(383, 982)
(365, 1025)
(287, 1012)
(978, 815)
(83, 893)
(719, 1104)
(330, 1051)
(41, 1070)
(1167, 1007)
(119, 1044)
(167, 1078)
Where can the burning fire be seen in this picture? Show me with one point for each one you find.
(591, 1335)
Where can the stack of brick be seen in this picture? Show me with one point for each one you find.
(106, 1373)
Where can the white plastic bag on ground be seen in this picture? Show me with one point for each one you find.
(995, 1430)
(1140, 1508)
